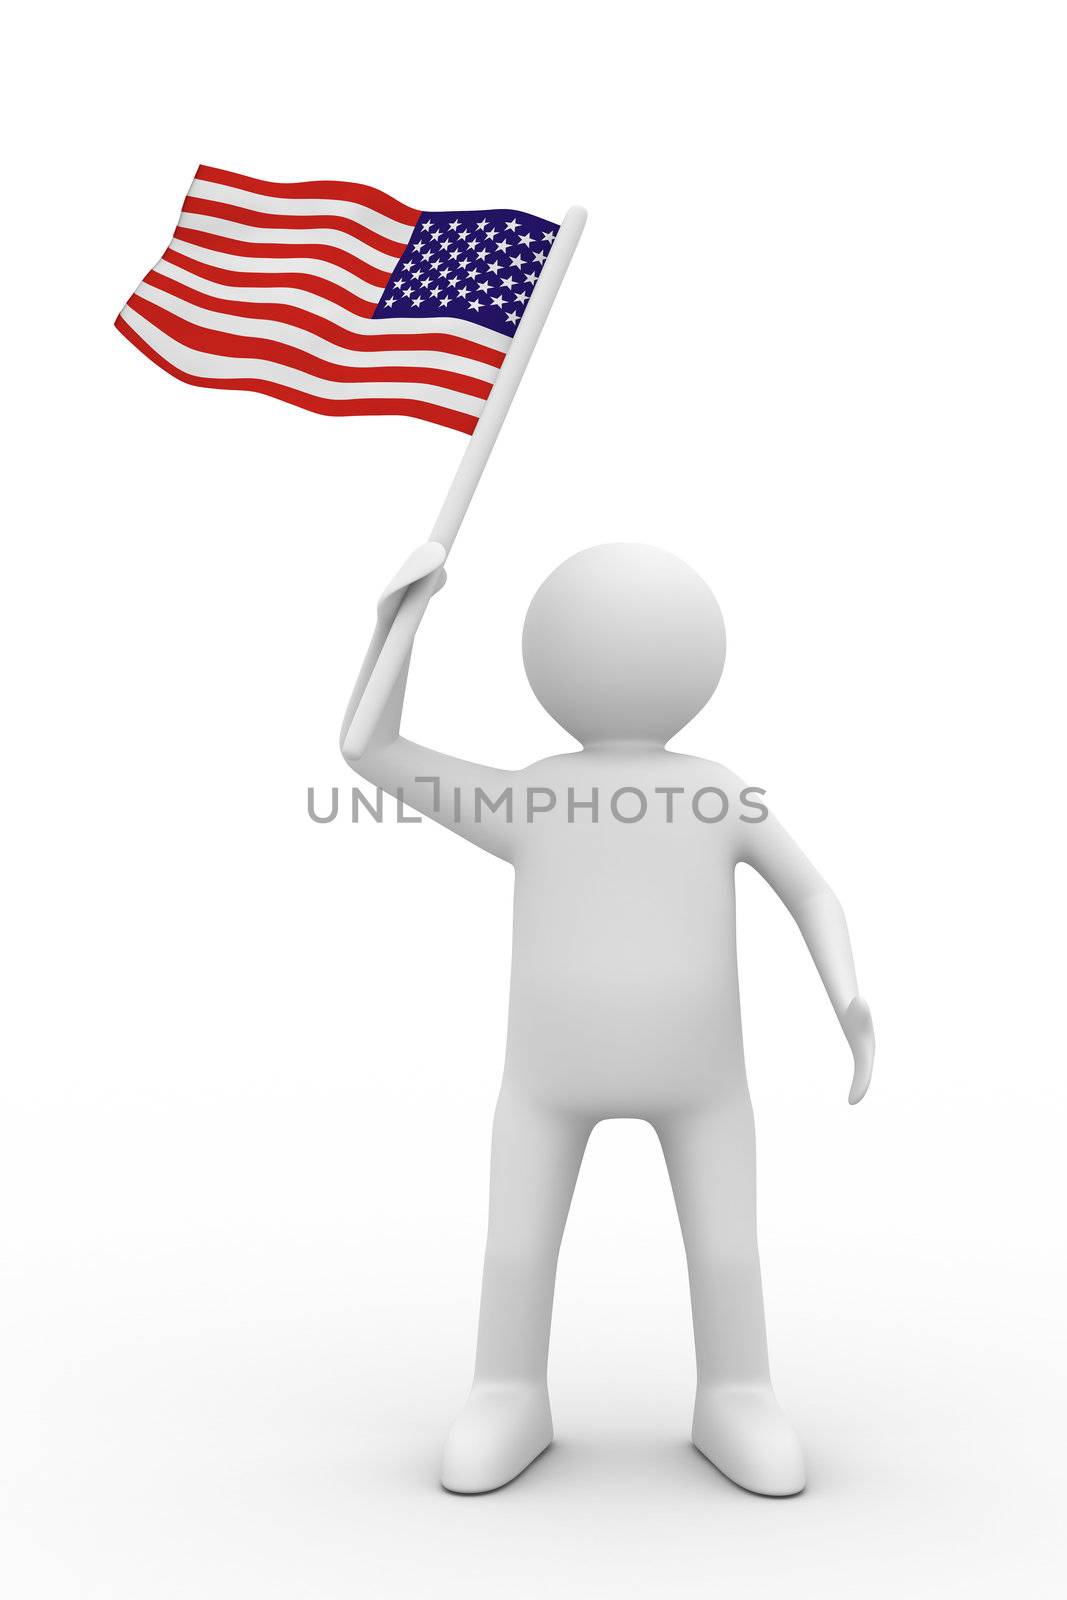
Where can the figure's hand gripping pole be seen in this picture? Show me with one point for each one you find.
(394, 634)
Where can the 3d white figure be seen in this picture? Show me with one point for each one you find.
(624, 994)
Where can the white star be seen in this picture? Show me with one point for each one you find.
(517, 261)
(476, 305)
(409, 291)
(530, 277)
(427, 224)
(390, 301)
(522, 297)
(435, 291)
(513, 223)
(526, 238)
(483, 288)
(435, 235)
(454, 225)
(465, 234)
(507, 283)
(498, 300)
(541, 257)
(464, 292)
(549, 238)
(512, 316)
(493, 266)
(417, 301)
(481, 254)
(446, 299)
(484, 224)
(490, 233)
(452, 282)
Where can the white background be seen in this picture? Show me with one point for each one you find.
(814, 341)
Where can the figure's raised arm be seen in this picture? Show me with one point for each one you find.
(818, 914)
(462, 795)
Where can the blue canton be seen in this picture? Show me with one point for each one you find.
(477, 265)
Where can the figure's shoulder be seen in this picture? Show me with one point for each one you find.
(566, 763)
(716, 793)
(701, 770)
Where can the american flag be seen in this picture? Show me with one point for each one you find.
(338, 298)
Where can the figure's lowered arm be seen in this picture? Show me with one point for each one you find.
(443, 787)
(817, 912)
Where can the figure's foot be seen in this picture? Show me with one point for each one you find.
(743, 1431)
(501, 1429)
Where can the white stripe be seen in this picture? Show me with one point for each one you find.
(256, 235)
(288, 264)
(304, 300)
(285, 333)
(198, 364)
(399, 231)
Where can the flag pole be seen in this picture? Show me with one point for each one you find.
(390, 646)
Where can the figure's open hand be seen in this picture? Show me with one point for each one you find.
(859, 1031)
(423, 560)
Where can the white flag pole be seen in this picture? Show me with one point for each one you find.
(389, 648)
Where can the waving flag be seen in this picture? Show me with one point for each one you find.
(338, 298)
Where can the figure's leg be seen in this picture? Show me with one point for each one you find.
(737, 1423)
(506, 1422)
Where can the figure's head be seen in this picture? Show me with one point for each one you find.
(623, 641)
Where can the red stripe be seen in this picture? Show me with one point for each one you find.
(444, 343)
(323, 287)
(286, 252)
(236, 346)
(358, 193)
(309, 402)
(277, 219)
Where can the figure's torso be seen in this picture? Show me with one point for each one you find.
(624, 948)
